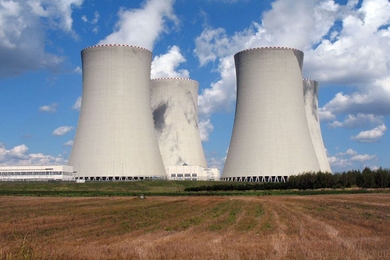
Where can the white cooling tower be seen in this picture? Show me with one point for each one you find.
(115, 137)
(310, 93)
(271, 138)
(175, 112)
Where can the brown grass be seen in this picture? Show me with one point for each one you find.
(307, 227)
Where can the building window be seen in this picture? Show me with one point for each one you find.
(173, 175)
(194, 175)
(187, 175)
(179, 175)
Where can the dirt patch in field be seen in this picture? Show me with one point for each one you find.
(280, 227)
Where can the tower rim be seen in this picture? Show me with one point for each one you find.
(268, 48)
(173, 78)
(115, 45)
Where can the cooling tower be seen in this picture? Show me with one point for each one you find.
(115, 137)
(271, 138)
(175, 112)
(310, 93)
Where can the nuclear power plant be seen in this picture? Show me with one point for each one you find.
(120, 137)
(175, 112)
(271, 139)
(115, 138)
(133, 128)
(310, 93)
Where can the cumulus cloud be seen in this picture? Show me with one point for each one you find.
(166, 65)
(370, 136)
(22, 33)
(149, 21)
(343, 44)
(68, 143)
(372, 100)
(222, 92)
(359, 120)
(326, 115)
(77, 70)
(345, 160)
(205, 127)
(77, 104)
(19, 155)
(62, 130)
(52, 108)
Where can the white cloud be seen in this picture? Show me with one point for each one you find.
(19, 155)
(68, 143)
(218, 163)
(373, 100)
(93, 22)
(362, 157)
(222, 93)
(359, 120)
(345, 160)
(149, 21)
(77, 104)
(325, 115)
(84, 18)
(52, 108)
(372, 135)
(22, 33)
(165, 65)
(205, 127)
(351, 152)
(62, 130)
(77, 70)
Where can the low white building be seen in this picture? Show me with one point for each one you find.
(37, 173)
(193, 173)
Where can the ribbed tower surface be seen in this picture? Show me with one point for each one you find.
(175, 112)
(310, 92)
(115, 136)
(271, 138)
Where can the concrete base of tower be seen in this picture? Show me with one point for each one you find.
(257, 179)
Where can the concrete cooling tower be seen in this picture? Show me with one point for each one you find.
(175, 112)
(271, 138)
(115, 137)
(310, 93)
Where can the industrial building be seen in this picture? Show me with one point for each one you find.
(192, 173)
(175, 111)
(271, 139)
(310, 93)
(115, 138)
(37, 173)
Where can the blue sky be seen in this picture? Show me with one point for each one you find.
(346, 46)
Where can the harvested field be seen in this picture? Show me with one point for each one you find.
(270, 227)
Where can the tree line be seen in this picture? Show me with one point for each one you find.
(368, 178)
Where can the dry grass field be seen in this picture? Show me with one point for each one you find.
(270, 227)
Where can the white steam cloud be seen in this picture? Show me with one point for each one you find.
(142, 27)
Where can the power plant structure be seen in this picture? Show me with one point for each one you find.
(271, 139)
(175, 111)
(310, 93)
(115, 138)
(133, 128)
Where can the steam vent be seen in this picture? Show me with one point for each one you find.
(271, 139)
(175, 112)
(310, 93)
(115, 137)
